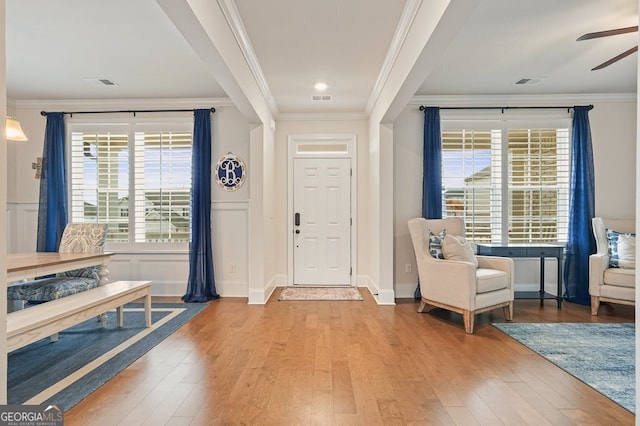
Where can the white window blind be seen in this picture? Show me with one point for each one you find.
(162, 186)
(472, 181)
(526, 202)
(100, 181)
(538, 184)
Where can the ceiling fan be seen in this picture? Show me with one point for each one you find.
(607, 33)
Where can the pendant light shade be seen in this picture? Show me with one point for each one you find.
(14, 131)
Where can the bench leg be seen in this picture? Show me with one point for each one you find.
(120, 310)
(103, 320)
(147, 309)
(54, 338)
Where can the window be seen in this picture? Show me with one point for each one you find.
(135, 178)
(519, 174)
(538, 184)
(471, 180)
(162, 186)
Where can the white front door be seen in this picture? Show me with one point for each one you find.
(322, 221)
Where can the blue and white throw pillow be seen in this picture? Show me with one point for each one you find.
(615, 255)
(435, 243)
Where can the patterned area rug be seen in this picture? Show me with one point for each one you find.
(600, 355)
(320, 293)
(86, 356)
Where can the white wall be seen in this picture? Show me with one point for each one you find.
(613, 128)
(168, 271)
(23, 187)
(3, 216)
(613, 131)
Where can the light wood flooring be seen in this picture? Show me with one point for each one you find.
(351, 363)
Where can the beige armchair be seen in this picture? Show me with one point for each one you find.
(458, 285)
(609, 284)
(76, 238)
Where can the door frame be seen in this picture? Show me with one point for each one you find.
(322, 146)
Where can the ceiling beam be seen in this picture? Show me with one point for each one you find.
(435, 23)
(207, 30)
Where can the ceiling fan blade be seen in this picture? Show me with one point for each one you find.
(616, 59)
(607, 33)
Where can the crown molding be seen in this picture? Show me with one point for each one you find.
(512, 100)
(109, 104)
(406, 20)
(232, 16)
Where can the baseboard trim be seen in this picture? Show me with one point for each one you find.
(405, 290)
(382, 297)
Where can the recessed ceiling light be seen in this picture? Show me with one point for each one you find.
(321, 86)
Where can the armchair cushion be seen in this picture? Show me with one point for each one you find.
(491, 280)
(627, 251)
(89, 272)
(435, 243)
(620, 277)
(46, 289)
(458, 248)
(622, 249)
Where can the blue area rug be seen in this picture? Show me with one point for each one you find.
(87, 356)
(600, 355)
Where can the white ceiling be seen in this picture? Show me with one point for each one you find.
(54, 46)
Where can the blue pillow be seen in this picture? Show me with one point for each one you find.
(435, 243)
(612, 238)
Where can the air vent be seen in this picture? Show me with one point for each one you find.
(100, 81)
(321, 98)
(528, 81)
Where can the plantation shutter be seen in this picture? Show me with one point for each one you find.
(471, 178)
(100, 181)
(538, 184)
(162, 186)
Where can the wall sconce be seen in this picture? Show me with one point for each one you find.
(14, 131)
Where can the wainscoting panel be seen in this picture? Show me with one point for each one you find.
(22, 227)
(230, 237)
(169, 271)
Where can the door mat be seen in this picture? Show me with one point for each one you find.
(320, 293)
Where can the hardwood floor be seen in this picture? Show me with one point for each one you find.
(351, 363)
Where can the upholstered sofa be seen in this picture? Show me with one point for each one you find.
(612, 274)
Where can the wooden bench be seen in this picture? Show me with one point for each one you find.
(34, 323)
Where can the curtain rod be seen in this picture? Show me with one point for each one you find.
(568, 108)
(134, 112)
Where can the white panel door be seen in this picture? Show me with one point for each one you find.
(322, 221)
